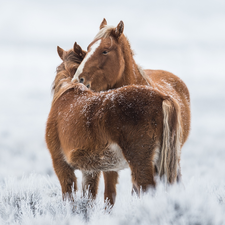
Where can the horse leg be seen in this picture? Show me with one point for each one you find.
(66, 176)
(134, 190)
(110, 178)
(142, 176)
(90, 182)
(142, 172)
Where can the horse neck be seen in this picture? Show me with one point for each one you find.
(61, 77)
(131, 73)
(61, 83)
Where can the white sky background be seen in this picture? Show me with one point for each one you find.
(186, 38)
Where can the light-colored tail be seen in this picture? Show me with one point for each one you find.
(172, 140)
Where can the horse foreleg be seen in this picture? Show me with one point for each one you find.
(110, 179)
(90, 181)
(66, 176)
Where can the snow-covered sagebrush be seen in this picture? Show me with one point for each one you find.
(37, 200)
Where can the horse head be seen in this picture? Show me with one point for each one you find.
(71, 61)
(65, 71)
(103, 64)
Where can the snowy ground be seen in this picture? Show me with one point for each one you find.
(186, 38)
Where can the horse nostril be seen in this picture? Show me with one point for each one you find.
(81, 80)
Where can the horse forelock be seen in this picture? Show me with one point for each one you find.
(104, 32)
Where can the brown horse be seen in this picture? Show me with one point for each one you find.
(109, 64)
(135, 126)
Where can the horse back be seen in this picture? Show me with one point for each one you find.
(135, 116)
(79, 123)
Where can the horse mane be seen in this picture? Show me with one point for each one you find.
(64, 74)
(143, 74)
(104, 32)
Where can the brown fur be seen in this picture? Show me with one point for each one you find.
(83, 126)
(118, 68)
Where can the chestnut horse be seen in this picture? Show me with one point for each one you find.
(109, 64)
(135, 126)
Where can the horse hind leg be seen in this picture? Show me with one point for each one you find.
(90, 181)
(110, 179)
(142, 177)
(142, 170)
(134, 188)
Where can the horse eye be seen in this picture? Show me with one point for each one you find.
(104, 52)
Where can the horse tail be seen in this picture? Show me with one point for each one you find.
(171, 143)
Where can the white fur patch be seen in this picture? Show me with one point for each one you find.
(89, 54)
(121, 162)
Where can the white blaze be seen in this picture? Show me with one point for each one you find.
(89, 54)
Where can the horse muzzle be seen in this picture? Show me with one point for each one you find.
(82, 80)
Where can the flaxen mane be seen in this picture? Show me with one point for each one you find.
(104, 32)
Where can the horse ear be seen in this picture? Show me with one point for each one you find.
(104, 23)
(118, 30)
(60, 52)
(78, 50)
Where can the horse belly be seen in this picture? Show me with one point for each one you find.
(114, 158)
(110, 159)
